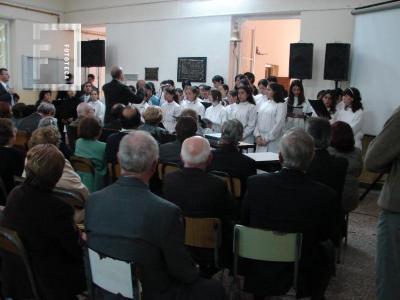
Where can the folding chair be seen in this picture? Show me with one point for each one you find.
(266, 245)
(165, 168)
(204, 233)
(113, 275)
(234, 184)
(10, 243)
(81, 164)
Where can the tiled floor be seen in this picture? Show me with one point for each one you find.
(355, 276)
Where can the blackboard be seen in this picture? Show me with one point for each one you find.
(192, 68)
(151, 74)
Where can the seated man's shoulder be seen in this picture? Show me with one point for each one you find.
(320, 189)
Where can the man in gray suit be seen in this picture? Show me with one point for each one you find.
(143, 227)
(31, 122)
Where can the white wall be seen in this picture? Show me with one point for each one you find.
(273, 38)
(135, 46)
(321, 27)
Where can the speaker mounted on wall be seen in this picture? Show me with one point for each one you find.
(337, 56)
(93, 53)
(301, 60)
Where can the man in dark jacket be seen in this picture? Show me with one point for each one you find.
(116, 92)
(289, 201)
(126, 221)
(328, 169)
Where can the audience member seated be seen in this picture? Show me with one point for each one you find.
(326, 168)
(69, 180)
(188, 112)
(83, 110)
(289, 201)
(5, 110)
(12, 160)
(52, 122)
(88, 146)
(31, 122)
(228, 158)
(115, 115)
(46, 227)
(17, 112)
(130, 120)
(131, 232)
(152, 118)
(44, 96)
(203, 195)
(343, 145)
(170, 152)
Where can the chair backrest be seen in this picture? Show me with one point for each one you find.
(233, 183)
(165, 168)
(73, 198)
(82, 164)
(114, 171)
(203, 232)
(21, 140)
(113, 275)
(11, 243)
(266, 245)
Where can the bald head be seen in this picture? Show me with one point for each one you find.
(116, 72)
(196, 152)
(84, 110)
(130, 118)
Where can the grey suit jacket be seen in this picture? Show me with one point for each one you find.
(30, 123)
(143, 227)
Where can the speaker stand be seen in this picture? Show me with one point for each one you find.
(336, 84)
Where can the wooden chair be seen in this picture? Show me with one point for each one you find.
(204, 233)
(234, 184)
(21, 140)
(11, 244)
(165, 168)
(81, 164)
(116, 276)
(114, 171)
(266, 245)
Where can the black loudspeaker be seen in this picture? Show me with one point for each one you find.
(93, 53)
(301, 60)
(337, 57)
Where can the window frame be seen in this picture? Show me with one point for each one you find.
(7, 36)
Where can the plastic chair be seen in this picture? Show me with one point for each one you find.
(234, 184)
(204, 233)
(11, 243)
(81, 164)
(165, 168)
(111, 274)
(266, 245)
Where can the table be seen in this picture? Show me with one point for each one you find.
(214, 139)
(266, 161)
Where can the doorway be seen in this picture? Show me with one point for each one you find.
(265, 47)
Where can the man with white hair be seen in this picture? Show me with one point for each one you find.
(116, 91)
(200, 194)
(289, 201)
(31, 122)
(127, 221)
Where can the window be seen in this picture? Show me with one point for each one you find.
(3, 43)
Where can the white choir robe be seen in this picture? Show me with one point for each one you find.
(257, 98)
(246, 113)
(171, 112)
(99, 109)
(195, 105)
(217, 115)
(270, 124)
(355, 120)
(228, 110)
(298, 122)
